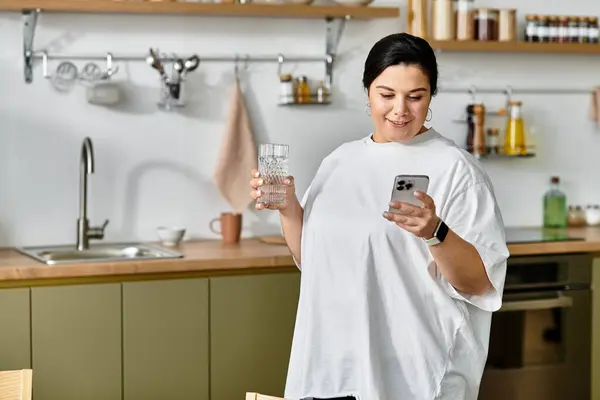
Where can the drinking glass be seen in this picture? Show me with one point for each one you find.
(273, 167)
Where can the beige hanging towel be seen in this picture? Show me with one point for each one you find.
(237, 155)
(595, 106)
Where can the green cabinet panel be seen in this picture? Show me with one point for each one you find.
(15, 334)
(76, 342)
(252, 323)
(165, 340)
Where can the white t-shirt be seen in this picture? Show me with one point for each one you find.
(376, 320)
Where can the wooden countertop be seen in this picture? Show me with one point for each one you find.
(211, 257)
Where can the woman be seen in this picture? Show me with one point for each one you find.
(394, 306)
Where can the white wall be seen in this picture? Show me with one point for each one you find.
(155, 168)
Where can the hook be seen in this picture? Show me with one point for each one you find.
(508, 92)
(473, 93)
(45, 65)
(110, 71)
(280, 60)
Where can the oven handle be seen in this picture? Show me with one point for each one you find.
(560, 301)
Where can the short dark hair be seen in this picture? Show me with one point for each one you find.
(401, 48)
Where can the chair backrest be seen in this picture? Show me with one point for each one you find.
(258, 396)
(15, 385)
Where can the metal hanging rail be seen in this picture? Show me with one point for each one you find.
(333, 34)
(242, 58)
(508, 90)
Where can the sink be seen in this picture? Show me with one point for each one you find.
(68, 254)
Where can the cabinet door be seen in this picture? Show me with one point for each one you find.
(252, 324)
(76, 342)
(15, 334)
(165, 339)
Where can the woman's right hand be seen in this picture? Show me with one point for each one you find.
(256, 192)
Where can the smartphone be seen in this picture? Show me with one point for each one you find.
(405, 187)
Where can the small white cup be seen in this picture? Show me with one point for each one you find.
(170, 236)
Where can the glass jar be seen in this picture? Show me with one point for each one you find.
(531, 28)
(486, 24)
(576, 216)
(323, 93)
(303, 90)
(286, 89)
(553, 29)
(563, 30)
(593, 30)
(573, 30)
(583, 30)
(542, 30)
(493, 135)
(465, 19)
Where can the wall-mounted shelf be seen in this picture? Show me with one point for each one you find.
(514, 47)
(208, 9)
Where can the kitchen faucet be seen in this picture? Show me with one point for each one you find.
(84, 231)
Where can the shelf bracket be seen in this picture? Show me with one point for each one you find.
(335, 29)
(29, 23)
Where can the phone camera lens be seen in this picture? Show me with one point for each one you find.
(401, 183)
(408, 186)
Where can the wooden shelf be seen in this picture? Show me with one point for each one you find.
(514, 47)
(209, 9)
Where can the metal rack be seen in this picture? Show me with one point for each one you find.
(509, 90)
(333, 35)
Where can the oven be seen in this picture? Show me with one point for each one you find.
(540, 340)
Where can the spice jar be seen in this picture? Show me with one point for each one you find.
(531, 23)
(286, 89)
(486, 24)
(592, 215)
(302, 90)
(492, 140)
(583, 30)
(573, 29)
(542, 31)
(593, 30)
(576, 216)
(507, 25)
(443, 20)
(563, 30)
(322, 93)
(465, 19)
(553, 29)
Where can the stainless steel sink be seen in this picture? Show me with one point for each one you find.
(68, 254)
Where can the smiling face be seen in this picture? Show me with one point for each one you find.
(399, 98)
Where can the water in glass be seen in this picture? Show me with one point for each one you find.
(273, 167)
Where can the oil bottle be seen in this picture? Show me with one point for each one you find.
(555, 206)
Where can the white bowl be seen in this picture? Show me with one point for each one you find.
(170, 236)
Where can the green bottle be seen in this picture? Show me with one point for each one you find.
(555, 206)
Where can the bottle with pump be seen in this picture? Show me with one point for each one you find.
(555, 206)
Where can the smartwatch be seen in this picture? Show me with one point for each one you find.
(439, 234)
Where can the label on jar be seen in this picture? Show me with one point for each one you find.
(563, 32)
(593, 33)
(531, 29)
(573, 31)
(553, 31)
(542, 32)
(583, 31)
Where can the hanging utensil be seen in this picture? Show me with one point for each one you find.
(155, 62)
(190, 65)
(65, 76)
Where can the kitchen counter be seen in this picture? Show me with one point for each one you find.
(212, 258)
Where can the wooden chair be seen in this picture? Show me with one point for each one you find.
(15, 385)
(258, 396)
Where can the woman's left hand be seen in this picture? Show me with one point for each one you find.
(420, 221)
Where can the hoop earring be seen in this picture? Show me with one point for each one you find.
(430, 113)
(368, 109)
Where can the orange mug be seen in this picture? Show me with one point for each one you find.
(230, 227)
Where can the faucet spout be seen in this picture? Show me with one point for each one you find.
(86, 167)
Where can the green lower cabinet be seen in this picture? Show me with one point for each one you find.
(15, 334)
(165, 340)
(251, 330)
(76, 342)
